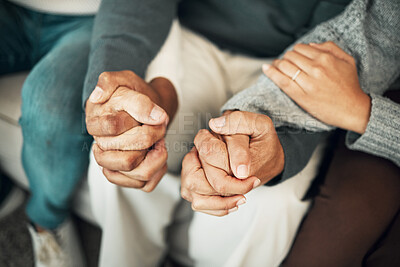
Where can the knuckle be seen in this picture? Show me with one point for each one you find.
(284, 63)
(298, 46)
(200, 138)
(188, 184)
(105, 76)
(205, 148)
(141, 176)
(128, 73)
(140, 185)
(108, 176)
(317, 72)
(220, 187)
(277, 63)
(163, 155)
(146, 175)
(191, 186)
(226, 206)
(141, 99)
(110, 124)
(289, 54)
(186, 161)
(146, 141)
(201, 134)
(184, 194)
(285, 83)
(236, 116)
(330, 43)
(188, 166)
(267, 120)
(195, 206)
(248, 188)
(184, 181)
(129, 163)
(325, 58)
(90, 123)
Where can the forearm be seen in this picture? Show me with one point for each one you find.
(126, 36)
(355, 32)
(382, 134)
(377, 62)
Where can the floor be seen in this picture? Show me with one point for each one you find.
(15, 242)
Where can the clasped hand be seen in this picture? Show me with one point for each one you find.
(128, 118)
(242, 153)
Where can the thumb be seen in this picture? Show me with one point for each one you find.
(242, 122)
(239, 154)
(98, 96)
(108, 82)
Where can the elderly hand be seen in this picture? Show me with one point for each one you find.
(253, 145)
(128, 118)
(327, 85)
(210, 194)
(244, 153)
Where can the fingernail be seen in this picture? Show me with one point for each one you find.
(233, 209)
(312, 43)
(96, 94)
(256, 183)
(156, 113)
(219, 122)
(241, 202)
(242, 171)
(265, 67)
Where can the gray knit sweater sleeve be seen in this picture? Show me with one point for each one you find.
(382, 136)
(369, 30)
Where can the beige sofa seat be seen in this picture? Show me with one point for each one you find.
(11, 142)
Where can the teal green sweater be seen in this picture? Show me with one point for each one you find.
(128, 34)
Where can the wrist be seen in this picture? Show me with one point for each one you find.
(167, 96)
(362, 114)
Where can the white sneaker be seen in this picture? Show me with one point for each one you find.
(59, 248)
(14, 199)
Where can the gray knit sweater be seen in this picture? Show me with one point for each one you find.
(369, 30)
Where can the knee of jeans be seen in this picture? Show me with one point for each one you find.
(43, 116)
(52, 92)
(39, 122)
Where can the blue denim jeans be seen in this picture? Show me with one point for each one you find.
(55, 150)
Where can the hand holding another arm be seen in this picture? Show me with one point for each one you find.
(262, 154)
(327, 86)
(197, 189)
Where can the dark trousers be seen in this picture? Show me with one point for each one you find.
(354, 220)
